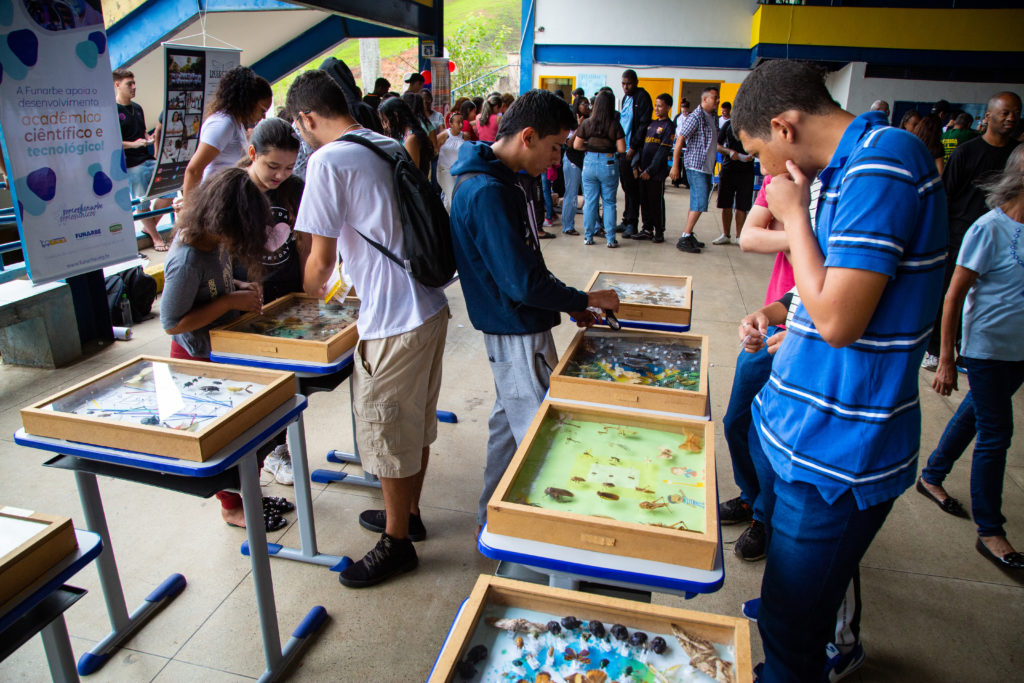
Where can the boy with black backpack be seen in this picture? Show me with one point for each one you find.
(350, 203)
(511, 296)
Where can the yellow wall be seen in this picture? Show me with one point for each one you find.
(996, 30)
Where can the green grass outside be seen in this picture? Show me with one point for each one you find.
(455, 13)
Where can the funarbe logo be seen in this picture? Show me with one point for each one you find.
(88, 233)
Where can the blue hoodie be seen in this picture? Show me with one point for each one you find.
(508, 288)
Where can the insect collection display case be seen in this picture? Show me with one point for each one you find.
(664, 371)
(160, 406)
(648, 298)
(616, 482)
(295, 327)
(514, 631)
(30, 544)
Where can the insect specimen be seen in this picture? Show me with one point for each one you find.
(578, 480)
(653, 504)
(703, 655)
(561, 495)
(636, 358)
(608, 496)
(303, 319)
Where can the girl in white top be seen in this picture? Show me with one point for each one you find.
(241, 101)
(449, 141)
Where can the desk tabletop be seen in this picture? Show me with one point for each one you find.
(223, 460)
(589, 564)
(300, 367)
(89, 548)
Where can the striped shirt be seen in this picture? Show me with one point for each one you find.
(700, 130)
(848, 419)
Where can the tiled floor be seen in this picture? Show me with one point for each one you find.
(933, 609)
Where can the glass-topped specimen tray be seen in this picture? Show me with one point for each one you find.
(510, 631)
(648, 298)
(160, 406)
(623, 483)
(665, 371)
(295, 327)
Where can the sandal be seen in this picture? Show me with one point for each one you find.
(161, 247)
(277, 504)
(272, 521)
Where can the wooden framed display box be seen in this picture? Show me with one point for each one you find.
(30, 544)
(291, 328)
(181, 409)
(615, 482)
(645, 297)
(730, 636)
(628, 359)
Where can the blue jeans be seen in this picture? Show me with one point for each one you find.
(545, 189)
(700, 189)
(600, 178)
(573, 177)
(987, 410)
(752, 373)
(814, 550)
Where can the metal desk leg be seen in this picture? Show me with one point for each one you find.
(341, 458)
(277, 660)
(122, 624)
(303, 509)
(59, 656)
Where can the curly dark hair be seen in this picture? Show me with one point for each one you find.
(238, 93)
(230, 210)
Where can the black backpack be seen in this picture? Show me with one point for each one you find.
(426, 232)
(141, 290)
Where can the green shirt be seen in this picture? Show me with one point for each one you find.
(953, 137)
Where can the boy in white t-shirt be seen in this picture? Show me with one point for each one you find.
(402, 323)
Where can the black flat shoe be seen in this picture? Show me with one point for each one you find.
(950, 506)
(1011, 561)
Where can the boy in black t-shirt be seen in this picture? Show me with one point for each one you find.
(653, 169)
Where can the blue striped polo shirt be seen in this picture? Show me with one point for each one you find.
(849, 419)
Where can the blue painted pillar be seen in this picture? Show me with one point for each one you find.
(526, 51)
(437, 36)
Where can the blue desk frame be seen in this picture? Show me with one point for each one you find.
(56, 643)
(240, 454)
(303, 369)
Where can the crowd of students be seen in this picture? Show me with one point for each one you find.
(855, 210)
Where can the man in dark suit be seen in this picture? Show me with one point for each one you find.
(635, 112)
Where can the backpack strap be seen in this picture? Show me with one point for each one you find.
(392, 159)
(462, 178)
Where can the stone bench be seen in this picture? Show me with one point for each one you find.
(37, 324)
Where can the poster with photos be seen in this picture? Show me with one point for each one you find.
(190, 78)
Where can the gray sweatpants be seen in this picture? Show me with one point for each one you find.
(521, 365)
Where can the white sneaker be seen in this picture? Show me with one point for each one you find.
(547, 223)
(735, 241)
(279, 464)
(930, 362)
(721, 239)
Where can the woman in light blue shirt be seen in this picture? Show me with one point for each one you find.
(988, 285)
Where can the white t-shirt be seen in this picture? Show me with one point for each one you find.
(449, 152)
(223, 133)
(349, 187)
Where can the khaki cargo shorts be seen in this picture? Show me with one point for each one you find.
(395, 384)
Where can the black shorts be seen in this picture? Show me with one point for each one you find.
(736, 189)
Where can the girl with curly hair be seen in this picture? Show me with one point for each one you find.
(241, 100)
(227, 219)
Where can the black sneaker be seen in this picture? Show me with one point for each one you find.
(391, 556)
(688, 244)
(733, 511)
(658, 238)
(376, 521)
(697, 241)
(750, 546)
(599, 233)
(643, 235)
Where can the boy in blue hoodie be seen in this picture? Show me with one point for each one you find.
(511, 296)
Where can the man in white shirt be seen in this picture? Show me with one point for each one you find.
(402, 323)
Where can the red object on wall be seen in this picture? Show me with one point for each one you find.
(426, 76)
(451, 67)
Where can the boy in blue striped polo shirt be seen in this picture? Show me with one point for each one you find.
(839, 419)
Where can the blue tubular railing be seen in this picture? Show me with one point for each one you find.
(7, 219)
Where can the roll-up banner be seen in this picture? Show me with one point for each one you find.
(191, 76)
(61, 139)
